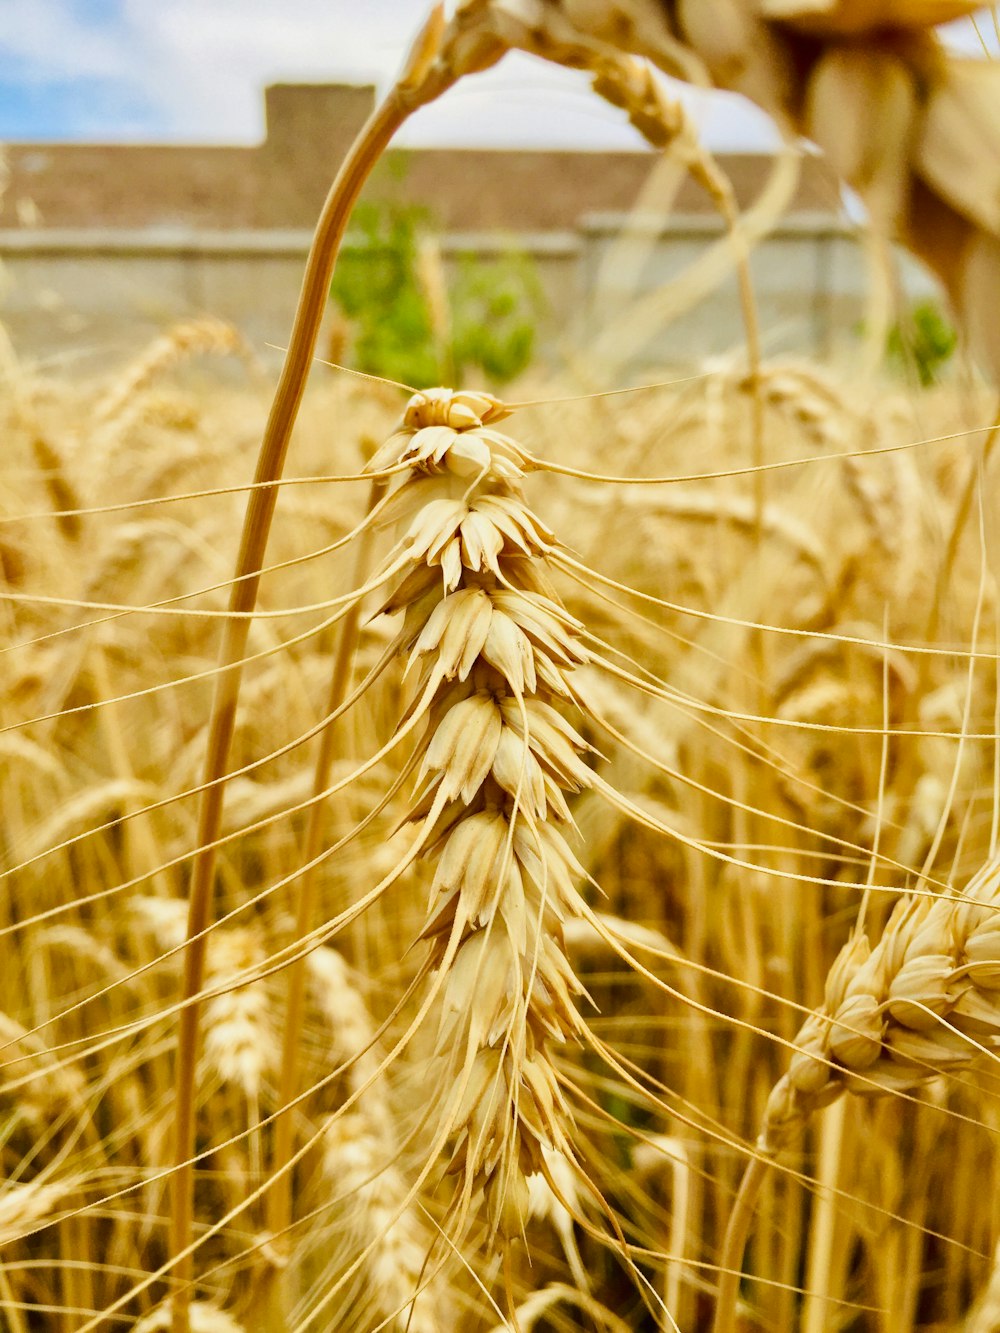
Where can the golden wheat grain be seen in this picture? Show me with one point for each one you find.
(921, 1002)
(488, 648)
(22, 1207)
(241, 1045)
(372, 1193)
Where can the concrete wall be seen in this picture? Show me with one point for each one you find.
(77, 293)
(102, 245)
(281, 182)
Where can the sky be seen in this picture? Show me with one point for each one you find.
(192, 71)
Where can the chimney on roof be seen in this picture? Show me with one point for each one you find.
(313, 117)
(310, 127)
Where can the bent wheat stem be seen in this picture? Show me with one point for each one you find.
(363, 155)
(279, 1201)
(734, 1244)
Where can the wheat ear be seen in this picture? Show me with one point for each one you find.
(924, 1001)
(491, 651)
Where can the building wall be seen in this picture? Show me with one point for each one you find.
(281, 183)
(101, 246)
(91, 297)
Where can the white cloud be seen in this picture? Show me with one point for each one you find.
(42, 41)
(205, 64)
(200, 65)
(206, 61)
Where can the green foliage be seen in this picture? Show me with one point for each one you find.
(494, 304)
(924, 341)
(375, 285)
(494, 308)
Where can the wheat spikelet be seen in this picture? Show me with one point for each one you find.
(22, 1207)
(358, 1166)
(82, 952)
(341, 1006)
(922, 1002)
(63, 493)
(45, 1088)
(163, 917)
(240, 1039)
(361, 1159)
(491, 650)
(539, 1304)
(32, 756)
(90, 806)
(553, 1197)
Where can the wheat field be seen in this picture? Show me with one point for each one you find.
(775, 722)
(523, 863)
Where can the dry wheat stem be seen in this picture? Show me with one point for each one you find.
(329, 234)
(279, 1200)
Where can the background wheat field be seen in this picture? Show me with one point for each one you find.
(804, 704)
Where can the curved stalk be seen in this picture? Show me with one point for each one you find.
(279, 1199)
(364, 153)
(820, 1265)
(735, 1243)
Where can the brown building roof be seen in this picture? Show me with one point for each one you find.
(282, 182)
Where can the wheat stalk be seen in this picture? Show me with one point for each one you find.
(412, 87)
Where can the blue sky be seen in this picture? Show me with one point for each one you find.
(193, 70)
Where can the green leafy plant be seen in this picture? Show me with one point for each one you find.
(493, 305)
(923, 341)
